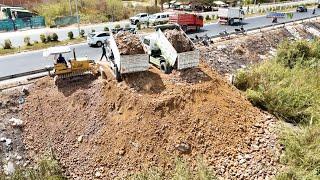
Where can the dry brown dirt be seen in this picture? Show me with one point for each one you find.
(128, 43)
(104, 129)
(179, 40)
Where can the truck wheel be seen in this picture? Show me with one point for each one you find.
(117, 74)
(165, 68)
(231, 21)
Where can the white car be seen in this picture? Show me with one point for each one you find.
(159, 18)
(139, 18)
(97, 38)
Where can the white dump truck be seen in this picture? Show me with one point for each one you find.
(230, 15)
(163, 55)
(122, 64)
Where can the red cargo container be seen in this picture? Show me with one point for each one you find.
(187, 21)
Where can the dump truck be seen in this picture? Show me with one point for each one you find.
(230, 16)
(121, 64)
(187, 21)
(165, 56)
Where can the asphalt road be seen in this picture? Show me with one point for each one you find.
(29, 61)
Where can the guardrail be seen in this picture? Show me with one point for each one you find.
(26, 73)
(276, 25)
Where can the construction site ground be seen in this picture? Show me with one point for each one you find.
(102, 129)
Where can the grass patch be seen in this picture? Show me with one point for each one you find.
(38, 46)
(46, 168)
(181, 171)
(288, 86)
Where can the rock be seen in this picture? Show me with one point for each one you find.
(25, 91)
(18, 157)
(121, 152)
(242, 161)
(97, 174)
(80, 139)
(8, 142)
(183, 147)
(16, 122)
(9, 168)
(2, 127)
(2, 139)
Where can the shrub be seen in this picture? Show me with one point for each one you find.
(55, 37)
(93, 30)
(148, 24)
(152, 9)
(117, 26)
(43, 38)
(26, 40)
(82, 33)
(49, 38)
(208, 17)
(70, 35)
(36, 42)
(7, 44)
(106, 28)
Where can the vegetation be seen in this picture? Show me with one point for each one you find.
(43, 38)
(106, 29)
(47, 168)
(49, 38)
(55, 37)
(181, 172)
(289, 87)
(70, 35)
(82, 33)
(26, 40)
(7, 44)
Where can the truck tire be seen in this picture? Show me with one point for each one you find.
(117, 74)
(165, 68)
(231, 21)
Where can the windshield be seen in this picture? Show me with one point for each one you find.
(153, 17)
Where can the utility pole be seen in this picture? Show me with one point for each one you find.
(78, 18)
(70, 7)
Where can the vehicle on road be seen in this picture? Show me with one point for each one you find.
(164, 56)
(66, 70)
(187, 21)
(230, 16)
(302, 9)
(97, 38)
(139, 18)
(159, 18)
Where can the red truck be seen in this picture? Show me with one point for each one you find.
(187, 21)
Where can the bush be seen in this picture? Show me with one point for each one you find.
(43, 38)
(49, 38)
(82, 33)
(117, 26)
(55, 37)
(106, 28)
(152, 9)
(26, 40)
(70, 35)
(35, 42)
(7, 44)
(208, 17)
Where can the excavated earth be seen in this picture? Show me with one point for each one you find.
(128, 43)
(178, 40)
(104, 129)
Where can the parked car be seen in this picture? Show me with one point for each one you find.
(159, 18)
(139, 18)
(97, 38)
(302, 9)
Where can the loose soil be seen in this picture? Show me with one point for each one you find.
(179, 40)
(129, 44)
(104, 129)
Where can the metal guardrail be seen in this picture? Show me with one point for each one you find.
(26, 73)
(271, 25)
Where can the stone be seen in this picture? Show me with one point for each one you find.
(9, 168)
(183, 147)
(16, 122)
(80, 139)
(97, 174)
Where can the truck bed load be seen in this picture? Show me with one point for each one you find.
(184, 50)
(187, 21)
(128, 53)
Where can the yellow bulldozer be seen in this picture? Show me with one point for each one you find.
(74, 67)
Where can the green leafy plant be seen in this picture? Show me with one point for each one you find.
(70, 35)
(49, 38)
(106, 28)
(26, 40)
(43, 38)
(117, 26)
(7, 44)
(82, 32)
(139, 26)
(55, 37)
(208, 18)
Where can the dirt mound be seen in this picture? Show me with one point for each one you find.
(179, 41)
(106, 129)
(128, 43)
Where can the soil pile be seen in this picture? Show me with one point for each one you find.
(105, 129)
(128, 43)
(178, 40)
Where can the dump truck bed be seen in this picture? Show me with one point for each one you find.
(134, 63)
(188, 59)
